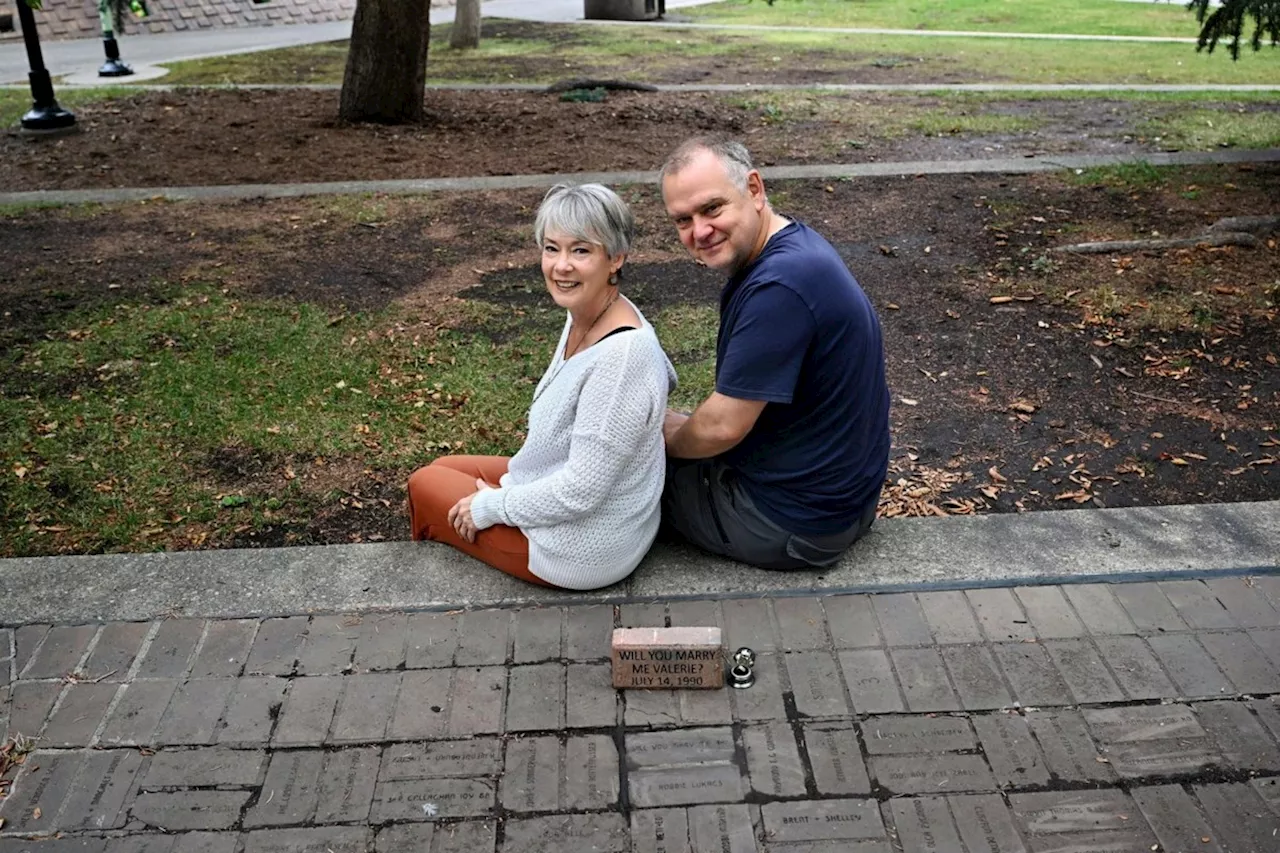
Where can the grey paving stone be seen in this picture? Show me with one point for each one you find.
(328, 646)
(873, 687)
(1243, 821)
(773, 761)
(1069, 753)
(672, 749)
(479, 695)
(448, 759)
(133, 721)
(1269, 642)
(698, 614)
(483, 638)
(1148, 608)
(54, 845)
(26, 639)
(1197, 606)
(1098, 609)
(606, 833)
(1000, 615)
(193, 713)
(1269, 790)
(704, 707)
(588, 631)
(723, 828)
(536, 697)
(902, 621)
(471, 836)
(1241, 661)
(924, 680)
(4, 712)
(764, 700)
(60, 652)
(590, 773)
(1268, 711)
(986, 824)
(691, 766)
(815, 684)
(169, 653)
(1051, 614)
(1135, 667)
(749, 622)
(1193, 672)
(801, 624)
(1081, 667)
(204, 768)
(1073, 811)
(431, 799)
(115, 650)
(290, 790)
(928, 774)
(182, 810)
(591, 699)
(329, 839)
(29, 704)
(150, 843)
(225, 648)
(78, 714)
(836, 758)
(660, 831)
(1141, 723)
(1269, 586)
(1173, 815)
(41, 787)
(307, 711)
(949, 616)
(904, 735)
(365, 707)
(251, 713)
(923, 823)
(651, 708)
(105, 784)
(431, 640)
(827, 820)
(1162, 758)
(1012, 752)
(1244, 601)
(531, 780)
(380, 642)
(537, 635)
(1032, 676)
(642, 616)
(976, 677)
(346, 785)
(852, 621)
(422, 708)
(275, 646)
(1241, 739)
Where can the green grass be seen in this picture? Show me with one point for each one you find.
(1135, 175)
(1092, 17)
(1227, 127)
(15, 102)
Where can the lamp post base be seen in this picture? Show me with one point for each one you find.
(48, 118)
(114, 68)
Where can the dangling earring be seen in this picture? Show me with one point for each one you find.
(613, 279)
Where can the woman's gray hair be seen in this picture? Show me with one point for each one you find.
(731, 153)
(589, 212)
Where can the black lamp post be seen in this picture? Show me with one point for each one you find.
(45, 114)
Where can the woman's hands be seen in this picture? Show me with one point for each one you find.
(460, 515)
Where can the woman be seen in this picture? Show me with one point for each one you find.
(577, 506)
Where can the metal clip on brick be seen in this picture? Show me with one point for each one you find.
(742, 673)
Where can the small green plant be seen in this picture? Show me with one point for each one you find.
(1044, 265)
(1134, 175)
(585, 96)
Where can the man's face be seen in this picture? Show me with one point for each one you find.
(722, 226)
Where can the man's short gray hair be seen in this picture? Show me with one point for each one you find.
(589, 212)
(731, 153)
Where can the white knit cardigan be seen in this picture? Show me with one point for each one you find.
(586, 485)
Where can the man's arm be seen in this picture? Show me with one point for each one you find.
(719, 424)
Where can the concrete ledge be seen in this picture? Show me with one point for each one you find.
(1067, 546)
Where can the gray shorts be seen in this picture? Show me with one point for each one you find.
(704, 502)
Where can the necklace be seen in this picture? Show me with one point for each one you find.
(571, 353)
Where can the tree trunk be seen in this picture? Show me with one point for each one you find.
(387, 62)
(466, 25)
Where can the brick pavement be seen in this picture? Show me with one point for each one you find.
(1122, 717)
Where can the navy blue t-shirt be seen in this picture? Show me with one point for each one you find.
(797, 331)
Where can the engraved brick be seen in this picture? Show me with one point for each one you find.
(1243, 821)
(117, 646)
(536, 697)
(764, 700)
(482, 638)
(1162, 757)
(892, 735)
(1081, 667)
(1034, 680)
(29, 704)
(1175, 819)
(431, 640)
(307, 711)
(133, 721)
(225, 649)
(346, 785)
(1147, 722)
(667, 658)
(801, 624)
(923, 823)
(704, 707)
(976, 676)
(41, 787)
(1011, 750)
(924, 680)
(836, 820)
(329, 839)
(1000, 615)
(660, 831)
(1189, 665)
(290, 790)
(537, 635)
(380, 642)
(1069, 753)
(181, 810)
(749, 622)
(1241, 739)
(204, 768)
(836, 758)
(1148, 608)
(194, 711)
(1136, 668)
(773, 762)
(949, 617)
(815, 684)
(1197, 606)
(1246, 604)
(591, 772)
(985, 824)
(682, 767)
(276, 645)
(919, 774)
(852, 621)
(1098, 609)
(171, 648)
(873, 687)
(365, 707)
(1073, 811)
(530, 782)
(595, 702)
(252, 709)
(78, 715)
(1049, 611)
(450, 759)
(328, 645)
(606, 833)
(429, 799)
(479, 695)
(60, 653)
(902, 622)
(472, 836)
(422, 708)
(1241, 661)
(723, 828)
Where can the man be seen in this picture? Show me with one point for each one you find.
(782, 465)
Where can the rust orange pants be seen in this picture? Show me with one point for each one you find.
(435, 489)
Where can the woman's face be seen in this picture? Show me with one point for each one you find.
(577, 272)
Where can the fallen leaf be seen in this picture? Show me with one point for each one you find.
(36, 814)
(994, 473)
(1000, 300)
(893, 306)
(1178, 460)
(19, 471)
(1022, 406)
(907, 401)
